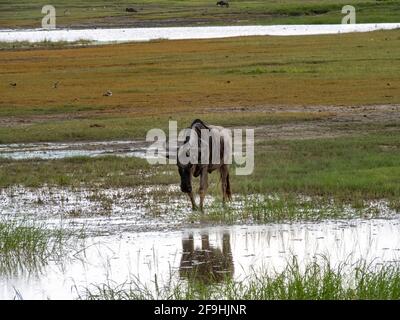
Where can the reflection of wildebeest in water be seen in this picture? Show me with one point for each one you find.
(206, 264)
(211, 153)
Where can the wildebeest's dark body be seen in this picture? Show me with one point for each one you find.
(187, 171)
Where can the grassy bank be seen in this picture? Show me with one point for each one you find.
(365, 166)
(315, 282)
(102, 13)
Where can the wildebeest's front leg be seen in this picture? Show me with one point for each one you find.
(203, 186)
(191, 196)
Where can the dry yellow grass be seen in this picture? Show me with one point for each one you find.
(166, 77)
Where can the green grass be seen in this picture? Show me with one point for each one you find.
(23, 13)
(26, 246)
(284, 207)
(365, 166)
(105, 171)
(315, 282)
(114, 127)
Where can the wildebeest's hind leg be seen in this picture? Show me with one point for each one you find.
(225, 184)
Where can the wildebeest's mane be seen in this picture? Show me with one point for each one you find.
(198, 121)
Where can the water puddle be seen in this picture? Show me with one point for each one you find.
(158, 208)
(99, 211)
(179, 33)
(209, 254)
(50, 151)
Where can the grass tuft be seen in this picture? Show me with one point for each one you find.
(26, 246)
(313, 282)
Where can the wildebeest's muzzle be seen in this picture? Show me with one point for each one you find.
(186, 183)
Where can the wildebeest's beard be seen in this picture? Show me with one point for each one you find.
(186, 179)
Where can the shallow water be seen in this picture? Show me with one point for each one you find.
(136, 209)
(135, 234)
(48, 150)
(105, 211)
(230, 251)
(147, 34)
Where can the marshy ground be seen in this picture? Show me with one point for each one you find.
(325, 110)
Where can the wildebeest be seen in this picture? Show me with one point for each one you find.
(130, 9)
(223, 3)
(217, 146)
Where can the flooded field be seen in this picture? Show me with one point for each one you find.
(158, 208)
(50, 150)
(126, 235)
(97, 211)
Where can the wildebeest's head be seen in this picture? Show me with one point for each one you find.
(186, 177)
(186, 156)
(185, 168)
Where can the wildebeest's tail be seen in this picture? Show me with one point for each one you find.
(228, 188)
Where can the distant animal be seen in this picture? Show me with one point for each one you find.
(13, 84)
(130, 10)
(186, 171)
(96, 125)
(55, 84)
(223, 3)
(108, 93)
